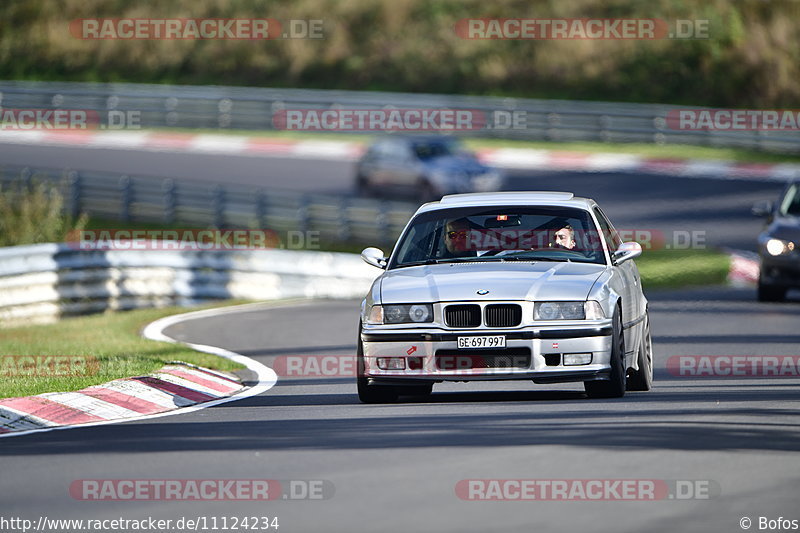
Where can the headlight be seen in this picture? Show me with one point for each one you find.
(779, 247)
(375, 315)
(401, 314)
(559, 311)
(590, 310)
(593, 310)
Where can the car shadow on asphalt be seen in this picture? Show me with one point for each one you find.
(672, 416)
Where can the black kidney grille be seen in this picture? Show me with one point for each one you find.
(503, 315)
(462, 316)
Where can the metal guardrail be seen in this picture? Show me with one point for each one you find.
(196, 205)
(42, 282)
(247, 108)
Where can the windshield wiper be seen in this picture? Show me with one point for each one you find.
(552, 259)
(418, 263)
(500, 258)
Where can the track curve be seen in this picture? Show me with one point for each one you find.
(396, 466)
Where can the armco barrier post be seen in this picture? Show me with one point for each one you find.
(125, 199)
(302, 214)
(261, 208)
(25, 178)
(170, 200)
(384, 230)
(74, 184)
(218, 193)
(344, 220)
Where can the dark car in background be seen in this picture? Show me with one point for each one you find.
(423, 167)
(779, 245)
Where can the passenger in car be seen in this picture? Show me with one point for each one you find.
(565, 238)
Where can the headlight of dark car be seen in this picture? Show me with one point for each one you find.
(778, 247)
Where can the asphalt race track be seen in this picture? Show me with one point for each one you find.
(396, 467)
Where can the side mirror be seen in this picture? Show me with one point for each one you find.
(374, 257)
(626, 252)
(762, 208)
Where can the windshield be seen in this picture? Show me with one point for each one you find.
(482, 234)
(431, 149)
(790, 205)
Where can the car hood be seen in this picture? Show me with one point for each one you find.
(786, 228)
(537, 281)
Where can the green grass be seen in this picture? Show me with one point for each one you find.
(112, 340)
(665, 269)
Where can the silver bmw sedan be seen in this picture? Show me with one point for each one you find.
(531, 286)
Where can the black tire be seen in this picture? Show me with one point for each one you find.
(642, 379)
(375, 393)
(770, 293)
(363, 187)
(614, 387)
(370, 393)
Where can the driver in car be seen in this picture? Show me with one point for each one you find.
(565, 238)
(456, 238)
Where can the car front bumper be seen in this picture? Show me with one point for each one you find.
(784, 271)
(535, 354)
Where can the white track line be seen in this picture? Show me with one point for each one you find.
(155, 331)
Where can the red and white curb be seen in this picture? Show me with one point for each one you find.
(744, 269)
(512, 158)
(174, 389)
(171, 387)
(151, 141)
(631, 163)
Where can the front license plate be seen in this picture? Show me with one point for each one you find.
(485, 341)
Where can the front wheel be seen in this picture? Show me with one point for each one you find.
(375, 393)
(642, 379)
(363, 187)
(770, 293)
(615, 386)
